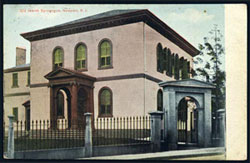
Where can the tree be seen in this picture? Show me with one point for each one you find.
(209, 67)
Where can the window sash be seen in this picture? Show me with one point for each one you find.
(15, 113)
(14, 79)
(28, 78)
(58, 56)
(80, 64)
(81, 53)
(105, 97)
(105, 54)
(105, 102)
(105, 61)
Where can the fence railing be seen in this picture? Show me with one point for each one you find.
(38, 135)
(122, 130)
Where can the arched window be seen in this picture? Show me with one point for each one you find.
(176, 75)
(105, 54)
(159, 58)
(169, 63)
(160, 100)
(188, 67)
(105, 102)
(181, 68)
(60, 105)
(57, 58)
(165, 59)
(173, 64)
(185, 70)
(80, 57)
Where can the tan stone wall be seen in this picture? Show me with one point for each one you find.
(14, 101)
(22, 82)
(40, 103)
(151, 90)
(11, 99)
(128, 97)
(127, 51)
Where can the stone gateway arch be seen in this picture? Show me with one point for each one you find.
(187, 113)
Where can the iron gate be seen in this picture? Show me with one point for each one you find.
(187, 127)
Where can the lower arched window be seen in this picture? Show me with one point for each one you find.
(105, 102)
(60, 105)
(160, 100)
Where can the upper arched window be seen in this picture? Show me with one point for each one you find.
(105, 102)
(160, 100)
(81, 57)
(176, 75)
(58, 58)
(159, 58)
(169, 72)
(105, 54)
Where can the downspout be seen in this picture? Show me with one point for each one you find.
(145, 70)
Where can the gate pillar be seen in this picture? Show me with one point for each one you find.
(200, 127)
(173, 92)
(170, 132)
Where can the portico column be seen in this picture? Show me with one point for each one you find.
(91, 105)
(74, 105)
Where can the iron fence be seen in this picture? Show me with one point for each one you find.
(121, 130)
(38, 135)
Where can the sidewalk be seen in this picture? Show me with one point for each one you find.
(194, 154)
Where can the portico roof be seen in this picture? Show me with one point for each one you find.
(65, 73)
(187, 83)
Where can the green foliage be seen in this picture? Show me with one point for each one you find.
(208, 66)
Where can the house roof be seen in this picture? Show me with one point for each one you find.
(110, 19)
(18, 68)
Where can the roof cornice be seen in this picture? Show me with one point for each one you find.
(111, 21)
(15, 69)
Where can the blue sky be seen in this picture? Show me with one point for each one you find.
(193, 22)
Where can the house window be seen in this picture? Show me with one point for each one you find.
(58, 58)
(15, 113)
(105, 102)
(105, 49)
(159, 58)
(185, 70)
(181, 63)
(176, 67)
(28, 78)
(160, 100)
(81, 57)
(60, 105)
(173, 64)
(169, 63)
(15, 80)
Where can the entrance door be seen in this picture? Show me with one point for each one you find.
(27, 118)
(187, 121)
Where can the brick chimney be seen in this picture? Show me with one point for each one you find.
(20, 56)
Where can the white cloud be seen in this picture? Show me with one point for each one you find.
(191, 15)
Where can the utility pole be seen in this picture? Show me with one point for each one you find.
(216, 32)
